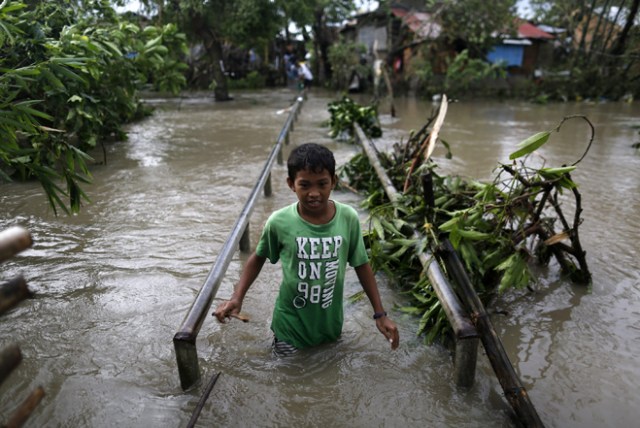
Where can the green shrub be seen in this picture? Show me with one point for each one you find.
(69, 81)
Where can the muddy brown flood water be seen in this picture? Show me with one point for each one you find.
(113, 283)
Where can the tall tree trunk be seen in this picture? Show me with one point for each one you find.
(213, 47)
(620, 70)
(320, 45)
(579, 54)
(596, 37)
(619, 47)
(612, 27)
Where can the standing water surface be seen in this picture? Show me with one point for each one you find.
(113, 283)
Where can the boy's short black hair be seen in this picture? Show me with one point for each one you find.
(311, 157)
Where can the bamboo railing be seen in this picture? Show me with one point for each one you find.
(464, 320)
(184, 340)
(13, 241)
(464, 331)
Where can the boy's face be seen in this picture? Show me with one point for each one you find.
(313, 190)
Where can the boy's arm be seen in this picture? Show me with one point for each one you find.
(384, 324)
(249, 274)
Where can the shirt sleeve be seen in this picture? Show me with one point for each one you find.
(269, 245)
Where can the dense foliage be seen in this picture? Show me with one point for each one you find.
(476, 24)
(346, 59)
(345, 112)
(70, 77)
(465, 73)
(217, 27)
(499, 228)
(596, 50)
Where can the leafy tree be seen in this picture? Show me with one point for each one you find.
(593, 18)
(619, 47)
(344, 58)
(320, 16)
(69, 81)
(465, 73)
(600, 44)
(475, 24)
(213, 24)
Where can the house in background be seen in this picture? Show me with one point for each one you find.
(412, 29)
(368, 29)
(408, 38)
(531, 50)
(397, 36)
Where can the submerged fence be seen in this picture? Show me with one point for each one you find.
(464, 331)
(184, 340)
(12, 242)
(470, 321)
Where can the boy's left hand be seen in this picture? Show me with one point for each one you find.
(389, 330)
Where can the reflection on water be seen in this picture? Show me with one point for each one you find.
(114, 282)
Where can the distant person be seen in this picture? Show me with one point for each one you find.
(305, 75)
(314, 239)
(290, 66)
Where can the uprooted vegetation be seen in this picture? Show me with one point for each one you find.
(500, 229)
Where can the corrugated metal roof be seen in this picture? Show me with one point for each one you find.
(530, 31)
(420, 23)
(521, 42)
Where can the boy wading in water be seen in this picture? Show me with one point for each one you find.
(314, 239)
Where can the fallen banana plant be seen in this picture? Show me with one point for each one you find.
(499, 228)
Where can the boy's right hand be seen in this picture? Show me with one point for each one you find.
(226, 309)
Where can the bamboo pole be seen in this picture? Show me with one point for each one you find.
(9, 360)
(462, 326)
(23, 412)
(13, 241)
(207, 391)
(513, 389)
(516, 394)
(245, 240)
(184, 340)
(13, 292)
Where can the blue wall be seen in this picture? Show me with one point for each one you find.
(510, 54)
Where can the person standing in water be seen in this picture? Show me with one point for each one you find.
(305, 75)
(314, 239)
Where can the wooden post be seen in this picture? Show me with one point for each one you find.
(12, 293)
(267, 186)
(427, 190)
(513, 389)
(464, 331)
(203, 399)
(464, 361)
(13, 241)
(23, 412)
(245, 242)
(187, 358)
(9, 360)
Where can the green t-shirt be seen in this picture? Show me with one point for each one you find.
(308, 309)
